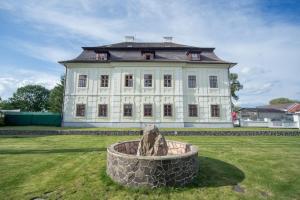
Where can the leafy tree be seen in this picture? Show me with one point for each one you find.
(282, 100)
(56, 96)
(5, 105)
(32, 98)
(235, 85)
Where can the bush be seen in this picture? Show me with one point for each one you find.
(2, 121)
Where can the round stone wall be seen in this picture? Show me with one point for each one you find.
(178, 168)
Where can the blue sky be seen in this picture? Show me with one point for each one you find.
(262, 36)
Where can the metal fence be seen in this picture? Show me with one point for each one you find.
(32, 118)
(269, 124)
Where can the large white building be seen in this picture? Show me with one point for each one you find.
(130, 84)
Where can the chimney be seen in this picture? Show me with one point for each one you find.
(129, 38)
(168, 39)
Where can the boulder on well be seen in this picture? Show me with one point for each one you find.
(152, 142)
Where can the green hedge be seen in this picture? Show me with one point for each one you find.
(2, 121)
(32, 118)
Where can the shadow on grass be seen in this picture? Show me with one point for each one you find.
(212, 173)
(49, 151)
(216, 173)
(23, 136)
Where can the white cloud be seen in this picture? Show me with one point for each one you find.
(14, 78)
(45, 52)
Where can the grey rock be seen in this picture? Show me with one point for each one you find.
(152, 142)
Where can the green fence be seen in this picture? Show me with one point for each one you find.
(32, 118)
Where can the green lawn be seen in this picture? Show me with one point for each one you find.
(73, 167)
(137, 129)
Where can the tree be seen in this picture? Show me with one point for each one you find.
(5, 105)
(235, 85)
(282, 100)
(32, 98)
(56, 96)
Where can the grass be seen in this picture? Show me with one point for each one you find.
(73, 167)
(137, 129)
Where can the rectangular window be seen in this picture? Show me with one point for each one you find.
(168, 110)
(148, 56)
(102, 110)
(104, 80)
(101, 56)
(167, 80)
(192, 82)
(147, 80)
(127, 110)
(215, 110)
(195, 56)
(193, 112)
(129, 80)
(213, 81)
(82, 80)
(80, 110)
(147, 110)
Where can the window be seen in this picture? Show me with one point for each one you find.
(168, 110)
(80, 110)
(127, 110)
(128, 80)
(147, 110)
(101, 56)
(104, 80)
(213, 81)
(215, 110)
(195, 56)
(147, 80)
(148, 55)
(192, 82)
(102, 110)
(168, 80)
(193, 112)
(82, 80)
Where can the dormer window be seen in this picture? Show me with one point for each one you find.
(148, 55)
(101, 56)
(194, 55)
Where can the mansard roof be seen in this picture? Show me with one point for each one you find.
(131, 52)
(142, 45)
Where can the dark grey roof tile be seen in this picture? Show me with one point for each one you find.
(132, 51)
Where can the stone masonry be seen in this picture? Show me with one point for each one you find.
(178, 168)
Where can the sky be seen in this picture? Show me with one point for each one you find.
(262, 36)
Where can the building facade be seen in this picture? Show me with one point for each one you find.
(130, 84)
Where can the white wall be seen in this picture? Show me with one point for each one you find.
(179, 95)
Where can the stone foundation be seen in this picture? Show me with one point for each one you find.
(178, 168)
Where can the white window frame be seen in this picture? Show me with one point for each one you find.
(128, 81)
(217, 81)
(79, 81)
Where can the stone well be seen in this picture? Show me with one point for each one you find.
(178, 168)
